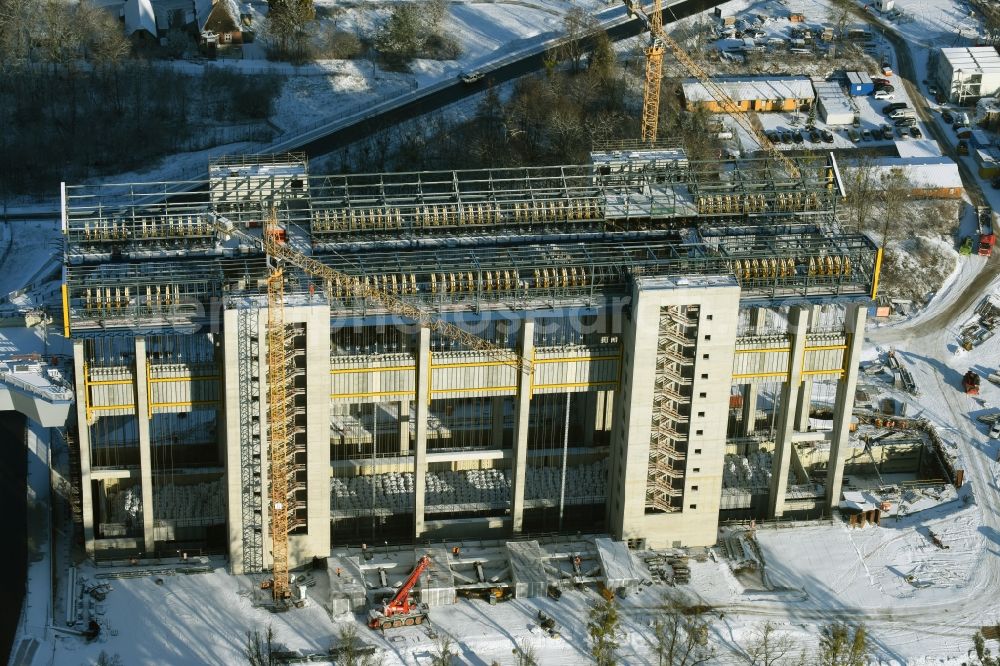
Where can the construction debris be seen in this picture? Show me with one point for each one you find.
(983, 325)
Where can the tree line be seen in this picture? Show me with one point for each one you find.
(76, 103)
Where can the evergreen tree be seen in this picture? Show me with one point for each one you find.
(604, 632)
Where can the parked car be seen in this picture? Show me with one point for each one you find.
(773, 137)
(470, 77)
(786, 137)
(827, 136)
(902, 133)
(854, 134)
(964, 133)
(915, 132)
(881, 94)
(963, 148)
(947, 116)
(940, 98)
(995, 183)
(866, 135)
(932, 90)
(883, 82)
(797, 137)
(894, 106)
(814, 135)
(886, 132)
(886, 70)
(884, 86)
(904, 122)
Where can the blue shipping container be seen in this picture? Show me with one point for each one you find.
(859, 83)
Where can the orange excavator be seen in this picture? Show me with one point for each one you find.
(401, 610)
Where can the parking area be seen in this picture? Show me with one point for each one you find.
(880, 118)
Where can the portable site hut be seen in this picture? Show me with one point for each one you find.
(831, 102)
(859, 83)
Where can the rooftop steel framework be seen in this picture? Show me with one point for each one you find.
(140, 255)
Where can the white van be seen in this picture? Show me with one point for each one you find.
(903, 113)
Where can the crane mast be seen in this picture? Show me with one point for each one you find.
(654, 70)
(277, 418)
(654, 73)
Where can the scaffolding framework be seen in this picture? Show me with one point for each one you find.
(250, 440)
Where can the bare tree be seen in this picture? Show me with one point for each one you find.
(259, 648)
(444, 653)
(578, 24)
(349, 648)
(524, 654)
(680, 637)
(861, 184)
(768, 647)
(287, 23)
(18, 21)
(102, 37)
(894, 191)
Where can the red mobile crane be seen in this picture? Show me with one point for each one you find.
(401, 609)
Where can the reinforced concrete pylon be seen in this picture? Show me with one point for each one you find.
(522, 410)
(798, 326)
(145, 455)
(83, 441)
(854, 324)
(422, 397)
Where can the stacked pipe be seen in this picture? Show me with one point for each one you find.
(124, 504)
(581, 481)
(394, 490)
(751, 472)
(189, 501)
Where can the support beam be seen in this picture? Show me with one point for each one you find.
(589, 402)
(423, 370)
(83, 441)
(798, 326)
(145, 455)
(496, 420)
(843, 408)
(749, 423)
(404, 427)
(803, 404)
(522, 408)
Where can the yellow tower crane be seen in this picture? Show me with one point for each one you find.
(279, 253)
(659, 41)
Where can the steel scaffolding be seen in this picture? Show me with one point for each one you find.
(251, 491)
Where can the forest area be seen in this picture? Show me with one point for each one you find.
(76, 102)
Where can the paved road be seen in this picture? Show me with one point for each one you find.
(977, 287)
(457, 91)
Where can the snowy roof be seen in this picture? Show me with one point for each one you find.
(832, 96)
(972, 58)
(139, 16)
(924, 172)
(918, 148)
(202, 9)
(860, 78)
(859, 501)
(751, 87)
